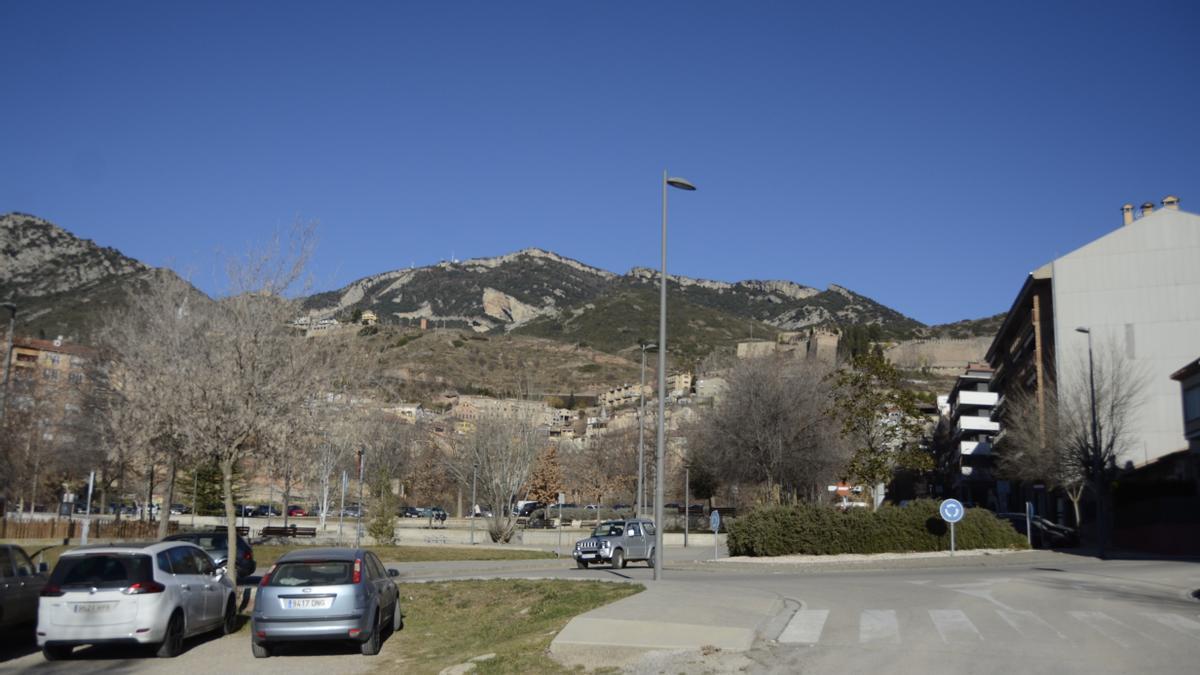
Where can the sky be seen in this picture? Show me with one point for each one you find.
(926, 154)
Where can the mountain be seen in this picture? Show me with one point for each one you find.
(61, 284)
(65, 285)
(539, 293)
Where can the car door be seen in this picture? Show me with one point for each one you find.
(191, 590)
(383, 586)
(9, 604)
(636, 541)
(214, 591)
(29, 583)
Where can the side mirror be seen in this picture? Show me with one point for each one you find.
(393, 573)
(219, 572)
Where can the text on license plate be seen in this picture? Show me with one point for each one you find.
(306, 603)
(93, 607)
(588, 556)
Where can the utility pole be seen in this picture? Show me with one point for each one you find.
(362, 464)
(12, 324)
(474, 513)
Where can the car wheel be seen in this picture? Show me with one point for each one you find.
(260, 651)
(229, 625)
(56, 652)
(618, 559)
(650, 560)
(371, 646)
(581, 564)
(172, 643)
(397, 616)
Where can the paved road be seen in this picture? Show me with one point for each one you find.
(1041, 613)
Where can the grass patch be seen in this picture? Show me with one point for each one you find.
(452, 622)
(267, 555)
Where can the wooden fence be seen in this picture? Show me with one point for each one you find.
(105, 528)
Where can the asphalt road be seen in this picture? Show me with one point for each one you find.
(1035, 613)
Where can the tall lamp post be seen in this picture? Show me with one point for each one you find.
(641, 486)
(12, 324)
(1097, 455)
(662, 378)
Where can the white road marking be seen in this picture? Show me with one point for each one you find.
(805, 627)
(1105, 625)
(953, 625)
(1180, 623)
(1028, 624)
(878, 625)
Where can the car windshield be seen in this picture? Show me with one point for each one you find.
(107, 570)
(313, 573)
(609, 530)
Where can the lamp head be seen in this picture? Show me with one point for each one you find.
(681, 183)
(1083, 329)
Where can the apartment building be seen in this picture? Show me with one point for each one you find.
(967, 459)
(1137, 290)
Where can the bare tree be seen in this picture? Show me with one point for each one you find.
(770, 426)
(1052, 441)
(504, 449)
(604, 466)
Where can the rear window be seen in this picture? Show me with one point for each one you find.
(102, 570)
(313, 573)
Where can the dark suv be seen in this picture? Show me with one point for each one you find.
(216, 545)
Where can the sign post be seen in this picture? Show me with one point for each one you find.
(951, 511)
(562, 497)
(714, 523)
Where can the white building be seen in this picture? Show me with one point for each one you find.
(1138, 290)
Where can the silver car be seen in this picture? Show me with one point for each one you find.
(617, 542)
(325, 594)
(155, 594)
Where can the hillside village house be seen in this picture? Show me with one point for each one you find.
(1137, 289)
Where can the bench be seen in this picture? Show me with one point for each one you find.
(242, 530)
(289, 531)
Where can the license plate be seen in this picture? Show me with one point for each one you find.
(93, 607)
(307, 603)
(588, 556)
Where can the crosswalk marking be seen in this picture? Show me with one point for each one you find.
(953, 625)
(1028, 624)
(882, 626)
(878, 625)
(1180, 623)
(805, 627)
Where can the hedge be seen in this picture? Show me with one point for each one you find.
(822, 530)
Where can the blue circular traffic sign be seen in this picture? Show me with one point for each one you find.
(951, 510)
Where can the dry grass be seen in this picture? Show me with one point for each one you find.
(452, 622)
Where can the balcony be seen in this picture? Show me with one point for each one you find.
(976, 448)
(978, 398)
(972, 424)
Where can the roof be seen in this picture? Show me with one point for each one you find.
(49, 346)
(1042, 273)
(1186, 371)
(347, 554)
(126, 547)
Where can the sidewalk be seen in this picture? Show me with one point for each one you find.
(668, 615)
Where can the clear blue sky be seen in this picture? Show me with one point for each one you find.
(925, 154)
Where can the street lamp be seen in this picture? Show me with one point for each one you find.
(1097, 455)
(12, 322)
(474, 513)
(641, 489)
(662, 378)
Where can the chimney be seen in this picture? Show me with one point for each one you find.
(1127, 212)
(1171, 202)
(1147, 209)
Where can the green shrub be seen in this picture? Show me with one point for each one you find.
(822, 530)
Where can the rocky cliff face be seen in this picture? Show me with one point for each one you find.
(42, 259)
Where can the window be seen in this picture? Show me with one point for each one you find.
(649, 529)
(52, 358)
(312, 573)
(635, 530)
(25, 568)
(1191, 403)
(26, 358)
(49, 374)
(104, 570)
(182, 561)
(6, 563)
(377, 569)
(164, 562)
(75, 378)
(204, 564)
